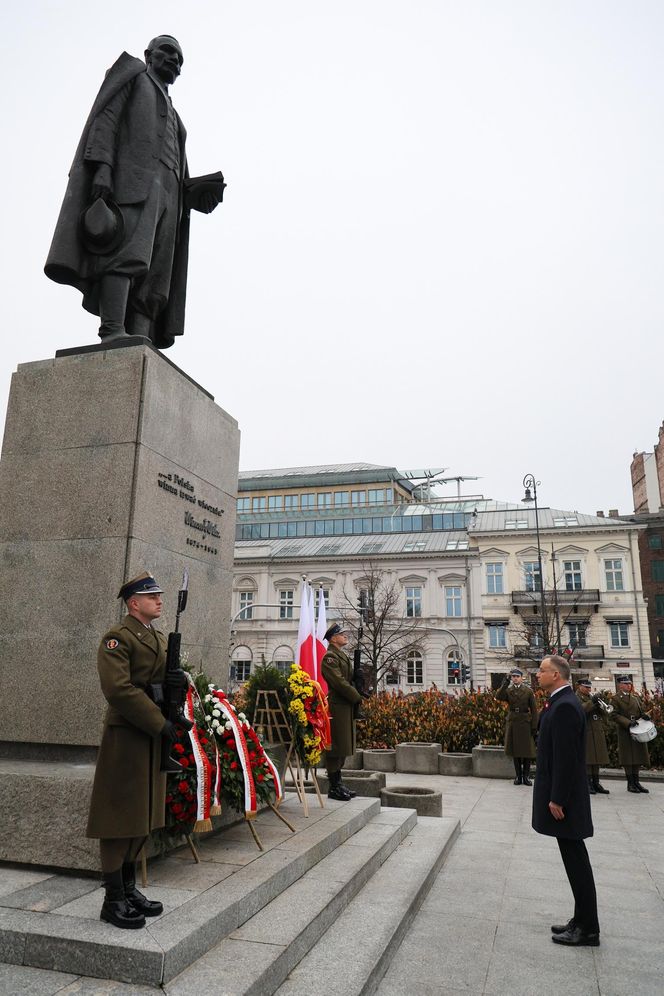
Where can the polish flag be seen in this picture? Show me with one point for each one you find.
(305, 656)
(321, 642)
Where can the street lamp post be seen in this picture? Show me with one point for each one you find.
(530, 485)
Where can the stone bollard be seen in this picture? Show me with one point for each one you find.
(354, 762)
(379, 760)
(492, 762)
(367, 784)
(455, 763)
(418, 758)
(426, 802)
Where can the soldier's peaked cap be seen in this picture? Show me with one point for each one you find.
(334, 630)
(517, 672)
(585, 681)
(624, 679)
(144, 584)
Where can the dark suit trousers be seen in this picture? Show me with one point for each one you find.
(581, 880)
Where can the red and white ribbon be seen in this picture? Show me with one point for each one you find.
(203, 768)
(250, 803)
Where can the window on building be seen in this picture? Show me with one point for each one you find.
(246, 601)
(340, 498)
(458, 544)
(286, 603)
(516, 524)
(572, 569)
(657, 570)
(532, 578)
(358, 497)
(240, 671)
(413, 602)
(291, 502)
(454, 668)
(324, 499)
(613, 572)
(259, 504)
(413, 546)
(497, 635)
(275, 503)
(414, 668)
(655, 541)
(326, 598)
(392, 677)
(619, 634)
(659, 605)
(577, 634)
(244, 504)
(307, 501)
(453, 601)
(380, 496)
(566, 521)
(660, 640)
(535, 633)
(494, 579)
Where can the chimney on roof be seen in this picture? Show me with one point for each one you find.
(600, 514)
(613, 513)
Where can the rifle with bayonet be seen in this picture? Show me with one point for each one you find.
(175, 685)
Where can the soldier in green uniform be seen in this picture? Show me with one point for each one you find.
(521, 724)
(342, 696)
(597, 752)
(627, 710)
(128, 795)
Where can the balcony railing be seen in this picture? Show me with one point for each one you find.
(589, 653)
(585, 596)
(533, 653)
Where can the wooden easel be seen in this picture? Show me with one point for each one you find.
(269, 714)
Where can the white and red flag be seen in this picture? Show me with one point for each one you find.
(305, 655)
(321, 642)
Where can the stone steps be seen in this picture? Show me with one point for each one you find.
(377, 878)
(356, 951)
(170, 943)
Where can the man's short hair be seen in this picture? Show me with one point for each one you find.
(560, 664)
(153, 44)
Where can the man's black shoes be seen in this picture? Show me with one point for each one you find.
(561, 928)
(575, 937)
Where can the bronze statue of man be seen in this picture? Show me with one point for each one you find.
(122, 236)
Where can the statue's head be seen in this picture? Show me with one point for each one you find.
(164, 57)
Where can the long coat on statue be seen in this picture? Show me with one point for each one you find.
(125, 130)
(129, 791)
(342, 696)
(560, 775)
(521, 722)
(626, 707)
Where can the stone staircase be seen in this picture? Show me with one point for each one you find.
(350, 879)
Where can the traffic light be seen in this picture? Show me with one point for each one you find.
(362, 606)
(465, 673)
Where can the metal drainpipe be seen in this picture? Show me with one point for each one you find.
(636, 609)
(469, 606)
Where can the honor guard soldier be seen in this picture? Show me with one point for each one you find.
(128, 795)
(521, 724)
(342, 697)
(597, 752)
(627, 710)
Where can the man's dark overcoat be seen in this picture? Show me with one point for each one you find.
(521, 723)
(626, 707)
(342, 697)
(130, 143)
(129, 791)
(596, 750)
(561, 776)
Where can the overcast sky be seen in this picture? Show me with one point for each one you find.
(441, 243)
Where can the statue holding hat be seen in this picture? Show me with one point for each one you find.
(122, 237)
(520, 725)
(129, 790)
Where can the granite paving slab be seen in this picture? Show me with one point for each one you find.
(50, 893)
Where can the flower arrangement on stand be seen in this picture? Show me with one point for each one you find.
(309, 716)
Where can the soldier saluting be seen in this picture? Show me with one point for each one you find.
(521, 723)
(597, 752)
(129, 791)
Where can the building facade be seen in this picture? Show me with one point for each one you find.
(647, 473)
(466, 571)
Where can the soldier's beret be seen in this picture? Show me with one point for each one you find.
(144, 584)
(516, 672)
(334, 630)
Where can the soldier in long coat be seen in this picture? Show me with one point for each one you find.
(342, 698)
(597, 753)
(521, 724)
(128, 795)
(627, 710)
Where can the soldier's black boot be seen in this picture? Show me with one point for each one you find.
(631, 786)
(639, 786)
(526, 772)
(351, 794)
(517, 767)
(337, 791)
(591, 785)
(116, 908)
(599, 788)
(148, 907)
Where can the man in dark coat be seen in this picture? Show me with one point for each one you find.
(597, 753)
(561, 803)
(342, 698)
(128, 795)
(122, 237)
(627, 711)
(521, 723)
